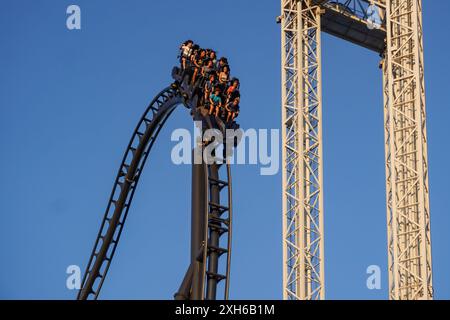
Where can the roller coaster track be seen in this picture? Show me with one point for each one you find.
(217, 222)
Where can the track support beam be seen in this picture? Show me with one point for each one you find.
(407, 193)
(303, 243)
(199, 212)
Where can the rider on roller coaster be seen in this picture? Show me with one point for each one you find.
(218, 95)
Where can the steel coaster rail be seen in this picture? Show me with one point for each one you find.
(218, 219)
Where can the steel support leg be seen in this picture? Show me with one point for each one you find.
(303, 244)
(199, 210)
(407, 193)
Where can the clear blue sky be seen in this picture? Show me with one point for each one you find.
(69, 101)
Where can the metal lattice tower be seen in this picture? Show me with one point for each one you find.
(399, 40)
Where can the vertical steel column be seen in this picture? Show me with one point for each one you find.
(408, 214)
(199, 212)
(303, 245)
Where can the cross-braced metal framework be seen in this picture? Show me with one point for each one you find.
(408, 210)
(399, 39)
(303, 272)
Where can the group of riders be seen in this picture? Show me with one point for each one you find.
(218, 93)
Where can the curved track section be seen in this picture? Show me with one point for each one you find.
(218, 218)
